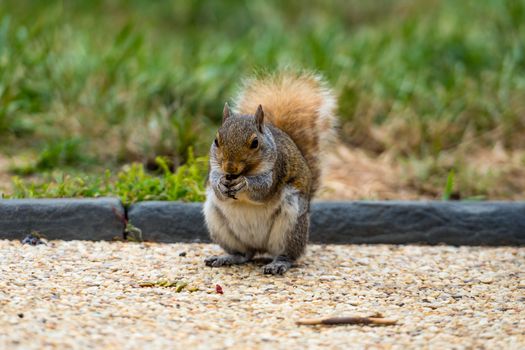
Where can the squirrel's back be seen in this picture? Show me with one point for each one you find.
(301, 105)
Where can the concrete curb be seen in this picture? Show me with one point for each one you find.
(66, 219)
(169, 221)
(396, 222)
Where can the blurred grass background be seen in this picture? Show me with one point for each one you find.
(89, 86)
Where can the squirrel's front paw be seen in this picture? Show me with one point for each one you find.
(237, 184)
(223, 190)
(229, 188)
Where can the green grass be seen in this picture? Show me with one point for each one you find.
(91, 85)
(132, 184)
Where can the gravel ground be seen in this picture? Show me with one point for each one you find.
(88, 294)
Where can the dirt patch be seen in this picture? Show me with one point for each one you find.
(489, 173)
(353, 174)
(509, 166)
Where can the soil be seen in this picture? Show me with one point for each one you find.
(353, 174)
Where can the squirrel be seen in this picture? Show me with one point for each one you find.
(264, 169)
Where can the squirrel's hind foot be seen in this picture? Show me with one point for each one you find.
(227, 260)
(278, 266)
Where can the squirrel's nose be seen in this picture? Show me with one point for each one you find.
(231, 177)
(232, 169)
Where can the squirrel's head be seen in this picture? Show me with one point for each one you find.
(243, 145)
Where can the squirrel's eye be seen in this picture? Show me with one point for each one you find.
(254, 143)
(216, 142)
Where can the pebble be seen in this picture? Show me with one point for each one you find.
(87, 294)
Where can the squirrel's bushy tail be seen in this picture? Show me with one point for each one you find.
(301, 105)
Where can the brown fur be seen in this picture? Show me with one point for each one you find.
(298, 104)
(293, 169)
(258, 195)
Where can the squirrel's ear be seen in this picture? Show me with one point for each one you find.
(225, 112)
(259, 118)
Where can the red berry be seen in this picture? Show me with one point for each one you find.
(218, 289)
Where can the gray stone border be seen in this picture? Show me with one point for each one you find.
(169, 221)
(67, 219)
(396, 222)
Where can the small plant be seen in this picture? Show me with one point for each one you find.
(132, 184)
(449, 186)
(133, 233)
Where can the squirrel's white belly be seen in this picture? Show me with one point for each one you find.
(250, 223)
(259, 227)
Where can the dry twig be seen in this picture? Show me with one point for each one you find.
(374, 320)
